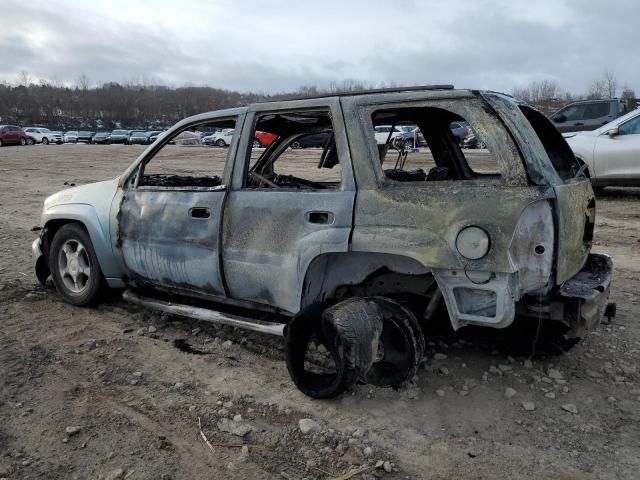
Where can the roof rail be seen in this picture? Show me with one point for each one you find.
(368, 92)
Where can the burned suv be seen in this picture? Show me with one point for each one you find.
(352, 246)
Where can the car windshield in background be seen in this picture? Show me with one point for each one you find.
(119, 132)
(138, 134)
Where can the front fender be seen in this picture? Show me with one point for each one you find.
(98, 232)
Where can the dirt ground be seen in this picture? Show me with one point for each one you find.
(114, 371)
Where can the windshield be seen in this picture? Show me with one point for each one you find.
(138, 134)
(618, 121)
(119, 132)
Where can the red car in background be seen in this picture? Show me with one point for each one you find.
(264, 139)
(12, 135)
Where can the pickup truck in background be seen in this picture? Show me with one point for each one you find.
(588, 114)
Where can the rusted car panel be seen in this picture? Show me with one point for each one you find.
(269, 241)
(576, 222)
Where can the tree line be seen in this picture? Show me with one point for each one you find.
(139, 105)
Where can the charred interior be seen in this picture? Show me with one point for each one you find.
(274, 168)
(434, 130)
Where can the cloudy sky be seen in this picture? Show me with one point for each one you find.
(273, 46)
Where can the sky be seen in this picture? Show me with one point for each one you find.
(277, 46)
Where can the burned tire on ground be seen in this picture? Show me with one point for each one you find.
(401, 346)
(349, 331)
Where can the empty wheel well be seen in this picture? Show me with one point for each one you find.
(333, 277)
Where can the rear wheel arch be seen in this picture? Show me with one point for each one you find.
(331, 277)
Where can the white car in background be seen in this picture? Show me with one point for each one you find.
(43, 135)
(612, 152)
(382, 133)
(223, 137)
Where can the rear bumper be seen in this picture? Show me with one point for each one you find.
(586, 294)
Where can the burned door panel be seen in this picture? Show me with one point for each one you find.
(170, 238)
(270, 239)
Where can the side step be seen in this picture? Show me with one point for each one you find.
(205, 314)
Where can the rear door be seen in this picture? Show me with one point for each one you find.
(278, 219)
(169, 228)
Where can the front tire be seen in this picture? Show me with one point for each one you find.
(221, 143)
(45, 140)
(74, 266)
(23, 141)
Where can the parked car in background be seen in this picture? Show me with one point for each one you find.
(588, 114)
(473, 141)
(223, 137)
(85, 136)
(71, 136)
(263, 139)
(12, 135)
(384, 134)
(186, 138)
(154, 137)
(611, 153)
(314, 140)
(119, 136)
(153, 133)
(138, 138)
(208, 139)
(460, 130)
(43, 135)
(102, 138)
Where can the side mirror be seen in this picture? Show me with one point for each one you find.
(612, 132)
(560, 118)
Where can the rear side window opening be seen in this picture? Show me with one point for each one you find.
(558, 151)
(427, 144)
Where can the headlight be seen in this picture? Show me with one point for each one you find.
(472, 243)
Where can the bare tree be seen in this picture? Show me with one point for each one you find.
(24, 78)
(83, 82)
(605, 86)
(628, 93)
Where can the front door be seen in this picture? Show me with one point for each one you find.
(287, 206)
(617, 157)
(169, 230)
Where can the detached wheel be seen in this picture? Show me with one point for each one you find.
(348, 332)
(74, 265)
(400, 349)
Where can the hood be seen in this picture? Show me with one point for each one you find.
(90, 194)
(583, 133)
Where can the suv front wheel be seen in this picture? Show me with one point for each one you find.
(74, 265)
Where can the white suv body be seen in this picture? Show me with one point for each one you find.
(43, 135)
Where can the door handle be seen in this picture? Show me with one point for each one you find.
(200, 212)
(322, 218)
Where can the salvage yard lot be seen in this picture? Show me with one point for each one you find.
(137, 398)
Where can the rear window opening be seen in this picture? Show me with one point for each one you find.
(426, 144)
(558, 151)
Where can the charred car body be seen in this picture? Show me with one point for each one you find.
(355, 252)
